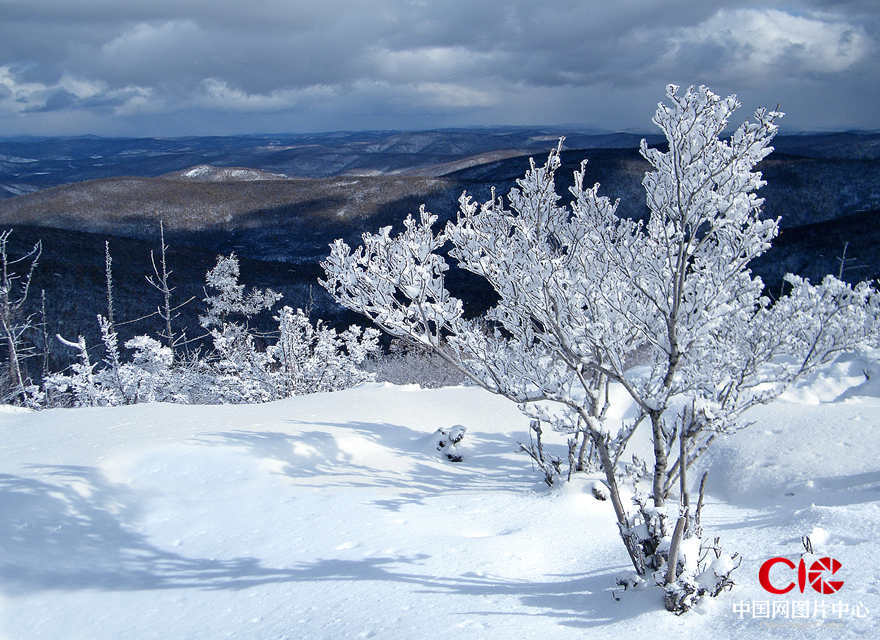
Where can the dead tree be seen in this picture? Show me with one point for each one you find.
(159, 280)
(14, 290)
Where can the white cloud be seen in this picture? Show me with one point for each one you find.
(135, 99)
(757, 41)
(144, 41)
(438, 63)
(80, 87)
(448, 94)
(20, 96)
(216, 93)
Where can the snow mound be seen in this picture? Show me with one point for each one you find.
(850, 377)
(821, 437)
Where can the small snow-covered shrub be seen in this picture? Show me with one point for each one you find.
(149, 376)
(549, 465)
(683, 561)
(79, 387)
(446, 441)
(412, 364)
(703, 569)
(308, 358)
(305, 358)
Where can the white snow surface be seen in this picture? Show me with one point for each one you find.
(332, 516)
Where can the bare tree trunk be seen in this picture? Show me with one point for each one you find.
(166, 290)
(681, 526)
(682, 467)
(582, 454)
(108, 276)
(660, 458)
(672, 563)
(11, 307)
(159, 280)
(842, 261)
(15, 378)
(699, 510)
(629, 541)
(44, 329)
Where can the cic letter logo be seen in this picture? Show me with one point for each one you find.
(817, 575)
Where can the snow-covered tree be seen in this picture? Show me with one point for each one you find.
(584, 294)
(306, 358)
(526, 254)
(14, 323)
(229, 302)
(160, 281)
(112, 374)
(241, 368)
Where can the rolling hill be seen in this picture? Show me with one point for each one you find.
(827, 195)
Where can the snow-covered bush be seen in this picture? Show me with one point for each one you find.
(239, 370)
(149, 377)
(549, 465)
(703, 569)
(310, 358)
(583, 293)
(447, 441)
(306, 357)
(79, 387)
(411, 364)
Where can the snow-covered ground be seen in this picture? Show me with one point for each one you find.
(331, 516)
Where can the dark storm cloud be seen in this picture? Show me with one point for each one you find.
(195, 66)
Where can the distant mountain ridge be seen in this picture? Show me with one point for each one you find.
(246, 194)
(211, 173)
(30, 164)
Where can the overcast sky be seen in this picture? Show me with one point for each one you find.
(179, 67)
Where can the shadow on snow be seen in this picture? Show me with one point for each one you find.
(490, 464)
(78, 531)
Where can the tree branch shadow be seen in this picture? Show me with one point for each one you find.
(78, 531)
(317, 458)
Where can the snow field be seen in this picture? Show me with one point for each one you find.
(331, 516)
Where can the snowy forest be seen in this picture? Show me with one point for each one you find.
(630, 350)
